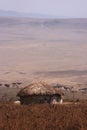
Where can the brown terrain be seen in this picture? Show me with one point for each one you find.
(43, 117)
(51, 50)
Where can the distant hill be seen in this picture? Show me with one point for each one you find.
(10, 13)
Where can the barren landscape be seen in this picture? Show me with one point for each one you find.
(53, 50)
(49, 50)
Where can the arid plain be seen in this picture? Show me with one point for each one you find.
(53, 50)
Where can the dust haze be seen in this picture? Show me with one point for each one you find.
(54, 50)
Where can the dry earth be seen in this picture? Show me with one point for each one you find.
(50, 50)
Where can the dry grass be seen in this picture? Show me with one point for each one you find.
(43, 117)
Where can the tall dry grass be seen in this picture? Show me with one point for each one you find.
(43, 117)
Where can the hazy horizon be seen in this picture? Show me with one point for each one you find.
(19, 14)
(57, 8)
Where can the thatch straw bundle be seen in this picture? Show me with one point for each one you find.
(38, 88)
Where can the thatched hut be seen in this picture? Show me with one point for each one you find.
(40, 93)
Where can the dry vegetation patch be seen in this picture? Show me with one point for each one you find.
(43, 117)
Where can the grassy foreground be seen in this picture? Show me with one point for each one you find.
(43, 117)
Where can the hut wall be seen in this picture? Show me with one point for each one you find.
(38, 99)
(33, 99)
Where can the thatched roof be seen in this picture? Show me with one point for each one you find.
(38, 88)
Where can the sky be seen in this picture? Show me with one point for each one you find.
(66, 8)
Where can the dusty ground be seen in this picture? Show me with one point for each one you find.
(50, 50)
